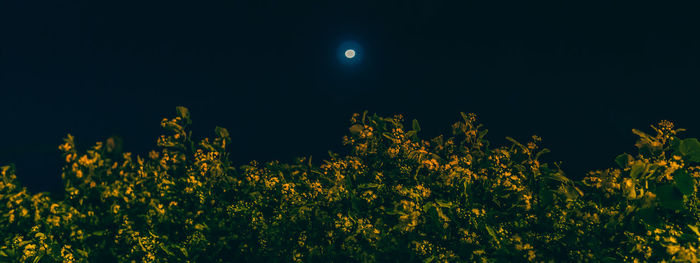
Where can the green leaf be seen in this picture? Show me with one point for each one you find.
(222, 132)
(515, 142)
(386, 134)
(648, 215)
(638, 168)
(695, 230)
(543, 151)
(642, 134)
(255, 195)
(416, 126)
(669, 197)
(546, 197)
(675, 143)
(557, 176)
(629, 188)
(368, 185)
(427, 206)
(570, 192)
(162, 246)
(184, 113)
(483, 133)
(397, 212)
(442, 203)
(690, 147)
(332, 155)
(442, 215)
(355, 203)
(493, 235)
(623, 159)
(464, 116)
(81, 252)
(684, 182)
(412, 134)
(356, 129)
(578, 191)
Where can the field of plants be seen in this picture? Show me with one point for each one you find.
(394, 198)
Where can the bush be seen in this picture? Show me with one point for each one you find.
(393, 198)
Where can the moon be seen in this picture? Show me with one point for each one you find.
(350, 53)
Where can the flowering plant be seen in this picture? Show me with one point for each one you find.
(393, 197)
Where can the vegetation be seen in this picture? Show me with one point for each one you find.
(393, 198)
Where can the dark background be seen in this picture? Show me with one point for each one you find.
(579, 74)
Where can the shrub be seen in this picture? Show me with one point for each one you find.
(393, 198)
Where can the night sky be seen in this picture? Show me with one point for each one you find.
(580, 75)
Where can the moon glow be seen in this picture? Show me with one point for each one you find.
(350, 53)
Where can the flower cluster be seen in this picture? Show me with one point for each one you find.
(393, 197)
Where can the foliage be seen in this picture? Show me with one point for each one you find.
(393, 198)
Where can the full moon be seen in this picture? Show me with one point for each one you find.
(350, 53)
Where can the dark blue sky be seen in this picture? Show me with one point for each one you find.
(580, 75)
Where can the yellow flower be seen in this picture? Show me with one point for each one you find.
(531, 255)
(160, 209)
(674, 165)
(29, 251)
(23, 212)
(53, 220)
(53, 208)
(673, 249)
(476, 211)
(115, 209)
(670, 239)
(66, 254)
(84, 161)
